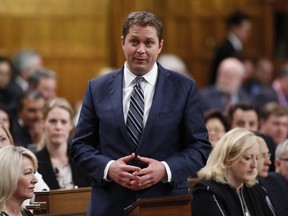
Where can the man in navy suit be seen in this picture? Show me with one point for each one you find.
(174, 142)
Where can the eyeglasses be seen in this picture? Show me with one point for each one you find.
(267, 155)
(284, 159)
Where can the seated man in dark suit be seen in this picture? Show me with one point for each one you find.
(278, 92)
(29, 114)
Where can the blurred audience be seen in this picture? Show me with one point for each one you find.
(45, 82)
(261, 78)
(25, 63)
(25, 127)
(274, 122)
(6, 96)
(174, 63)
(281, 159)
(55, 164)
(278, 92)
(226, 90)
(216, 124)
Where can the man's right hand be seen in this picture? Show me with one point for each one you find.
(122, 173)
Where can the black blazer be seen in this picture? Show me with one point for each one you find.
(216, 199)
(45, 168)
(277, 190)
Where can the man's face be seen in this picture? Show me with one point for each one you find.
(47, 87)
(243, 30)
(245, 119)
(32, 111)
(281, 164)
(141, 48)
(276, 127)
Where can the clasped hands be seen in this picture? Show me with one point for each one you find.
(133, 177)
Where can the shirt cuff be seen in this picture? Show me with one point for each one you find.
(168, 171)
(105, 177)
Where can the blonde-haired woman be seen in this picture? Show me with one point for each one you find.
(226, 182)
(55, 164)
(18, 166)
(6, 139)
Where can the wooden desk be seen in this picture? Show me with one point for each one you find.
(64, 202)
(162, 206)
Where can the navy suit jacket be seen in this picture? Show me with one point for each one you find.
(174, 132)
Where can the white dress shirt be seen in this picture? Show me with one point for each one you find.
(148, 86)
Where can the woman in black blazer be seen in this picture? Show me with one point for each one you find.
(54, 161)
(226, 186)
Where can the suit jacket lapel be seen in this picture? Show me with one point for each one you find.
(159, 96)
(115, 88)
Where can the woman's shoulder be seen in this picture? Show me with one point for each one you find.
(211, 186)
(2, 213)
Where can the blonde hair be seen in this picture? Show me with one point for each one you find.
(229, 148)
(262, 144)
(10, 166)
(6, 130)
(49, 105)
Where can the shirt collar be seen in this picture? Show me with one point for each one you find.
(150, 77)
(235, 41)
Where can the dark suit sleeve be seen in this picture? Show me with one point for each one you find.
(204, 202)
(84, 149)
(195, 146)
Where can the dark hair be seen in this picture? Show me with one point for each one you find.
(273, 108)
(8, 61)
(35, 78)
(236, 18)
(35, 95)
(214, 113)
(143, 19)
(243, 106)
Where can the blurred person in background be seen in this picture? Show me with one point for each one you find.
(277, 92)
(216, 124)
(6, 96)
(55, 164)
(261, 78)
(29, 113)
(239, 28)
(25, 63)
(274, 121)
(281, 160)
(45, 82)
(226, 91)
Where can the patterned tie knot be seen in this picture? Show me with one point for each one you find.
(138, 81)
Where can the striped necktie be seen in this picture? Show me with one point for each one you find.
(134, 121)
